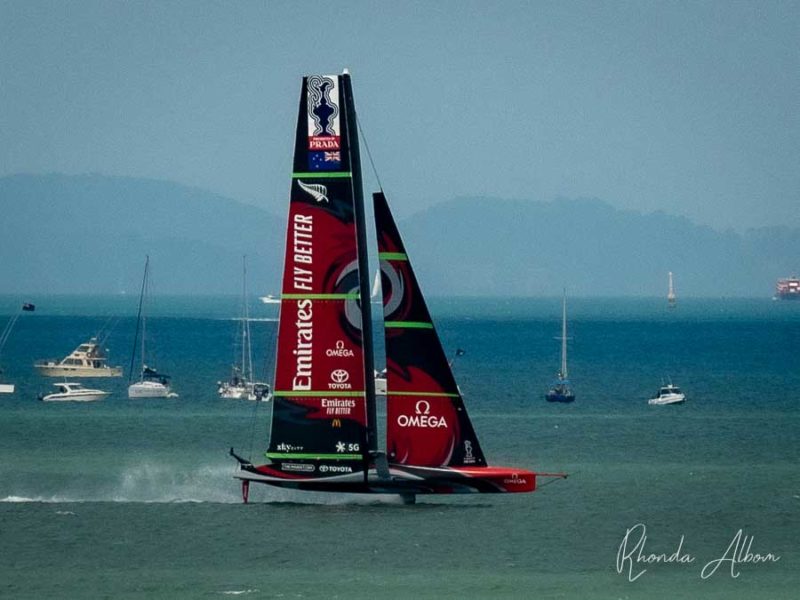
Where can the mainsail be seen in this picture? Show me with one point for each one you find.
(427, 422)
(319, 419)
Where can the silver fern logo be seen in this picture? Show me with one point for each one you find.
(316, 190)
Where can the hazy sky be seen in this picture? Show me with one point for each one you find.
(692, 108)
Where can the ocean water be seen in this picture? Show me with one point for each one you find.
(135, 499)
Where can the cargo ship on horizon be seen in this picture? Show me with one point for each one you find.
(787, 288)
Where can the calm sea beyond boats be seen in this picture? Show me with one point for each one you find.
(137, 499)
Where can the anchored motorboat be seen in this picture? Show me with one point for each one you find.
(668, 394)
(87, 360)
(73, 392)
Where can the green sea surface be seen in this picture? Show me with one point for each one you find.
(136, 499)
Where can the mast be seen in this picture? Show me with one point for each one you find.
(564, 336)
(144, 313)
(247, 355)
(363, 264)
(139, 325)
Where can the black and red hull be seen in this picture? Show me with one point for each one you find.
(403, 480)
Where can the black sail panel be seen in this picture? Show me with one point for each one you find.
(427, 422)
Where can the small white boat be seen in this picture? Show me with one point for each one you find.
(73, 392)
(270, 299)
(380, 382)
(87, 360)
(6, 388)
(668, 394)
(239, 389)
(151, 388)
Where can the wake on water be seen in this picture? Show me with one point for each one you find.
(153, 483)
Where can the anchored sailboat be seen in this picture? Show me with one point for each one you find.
(151, 384)
(324, 433)
(241, 385)
(561, 390)
(672, 300)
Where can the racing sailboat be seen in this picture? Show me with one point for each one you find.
(324, 428)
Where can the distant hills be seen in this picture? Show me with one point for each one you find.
(89, 234)
(526, 248)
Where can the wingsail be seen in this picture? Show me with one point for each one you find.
(319, 415)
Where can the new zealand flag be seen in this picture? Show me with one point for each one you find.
(324, 161)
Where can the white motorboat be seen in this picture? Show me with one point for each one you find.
(270, 299)
(73, 392)
(151, 384)
(6, 388)
(668, 394)
(87, 360)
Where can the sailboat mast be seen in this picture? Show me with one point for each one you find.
(246, 363)
(564, 336)
(138, 325)
(144, 313)
(363, 265)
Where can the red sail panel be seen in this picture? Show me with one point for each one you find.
(427, 422)
(319, 413)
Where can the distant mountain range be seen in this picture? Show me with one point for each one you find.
(90, 233)
(526, 248)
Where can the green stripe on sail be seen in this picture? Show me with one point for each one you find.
(393, 255)
(303, 456)
(433, 394)
(315, 394)
(323, 175)
(348, 296)
(407, 325)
